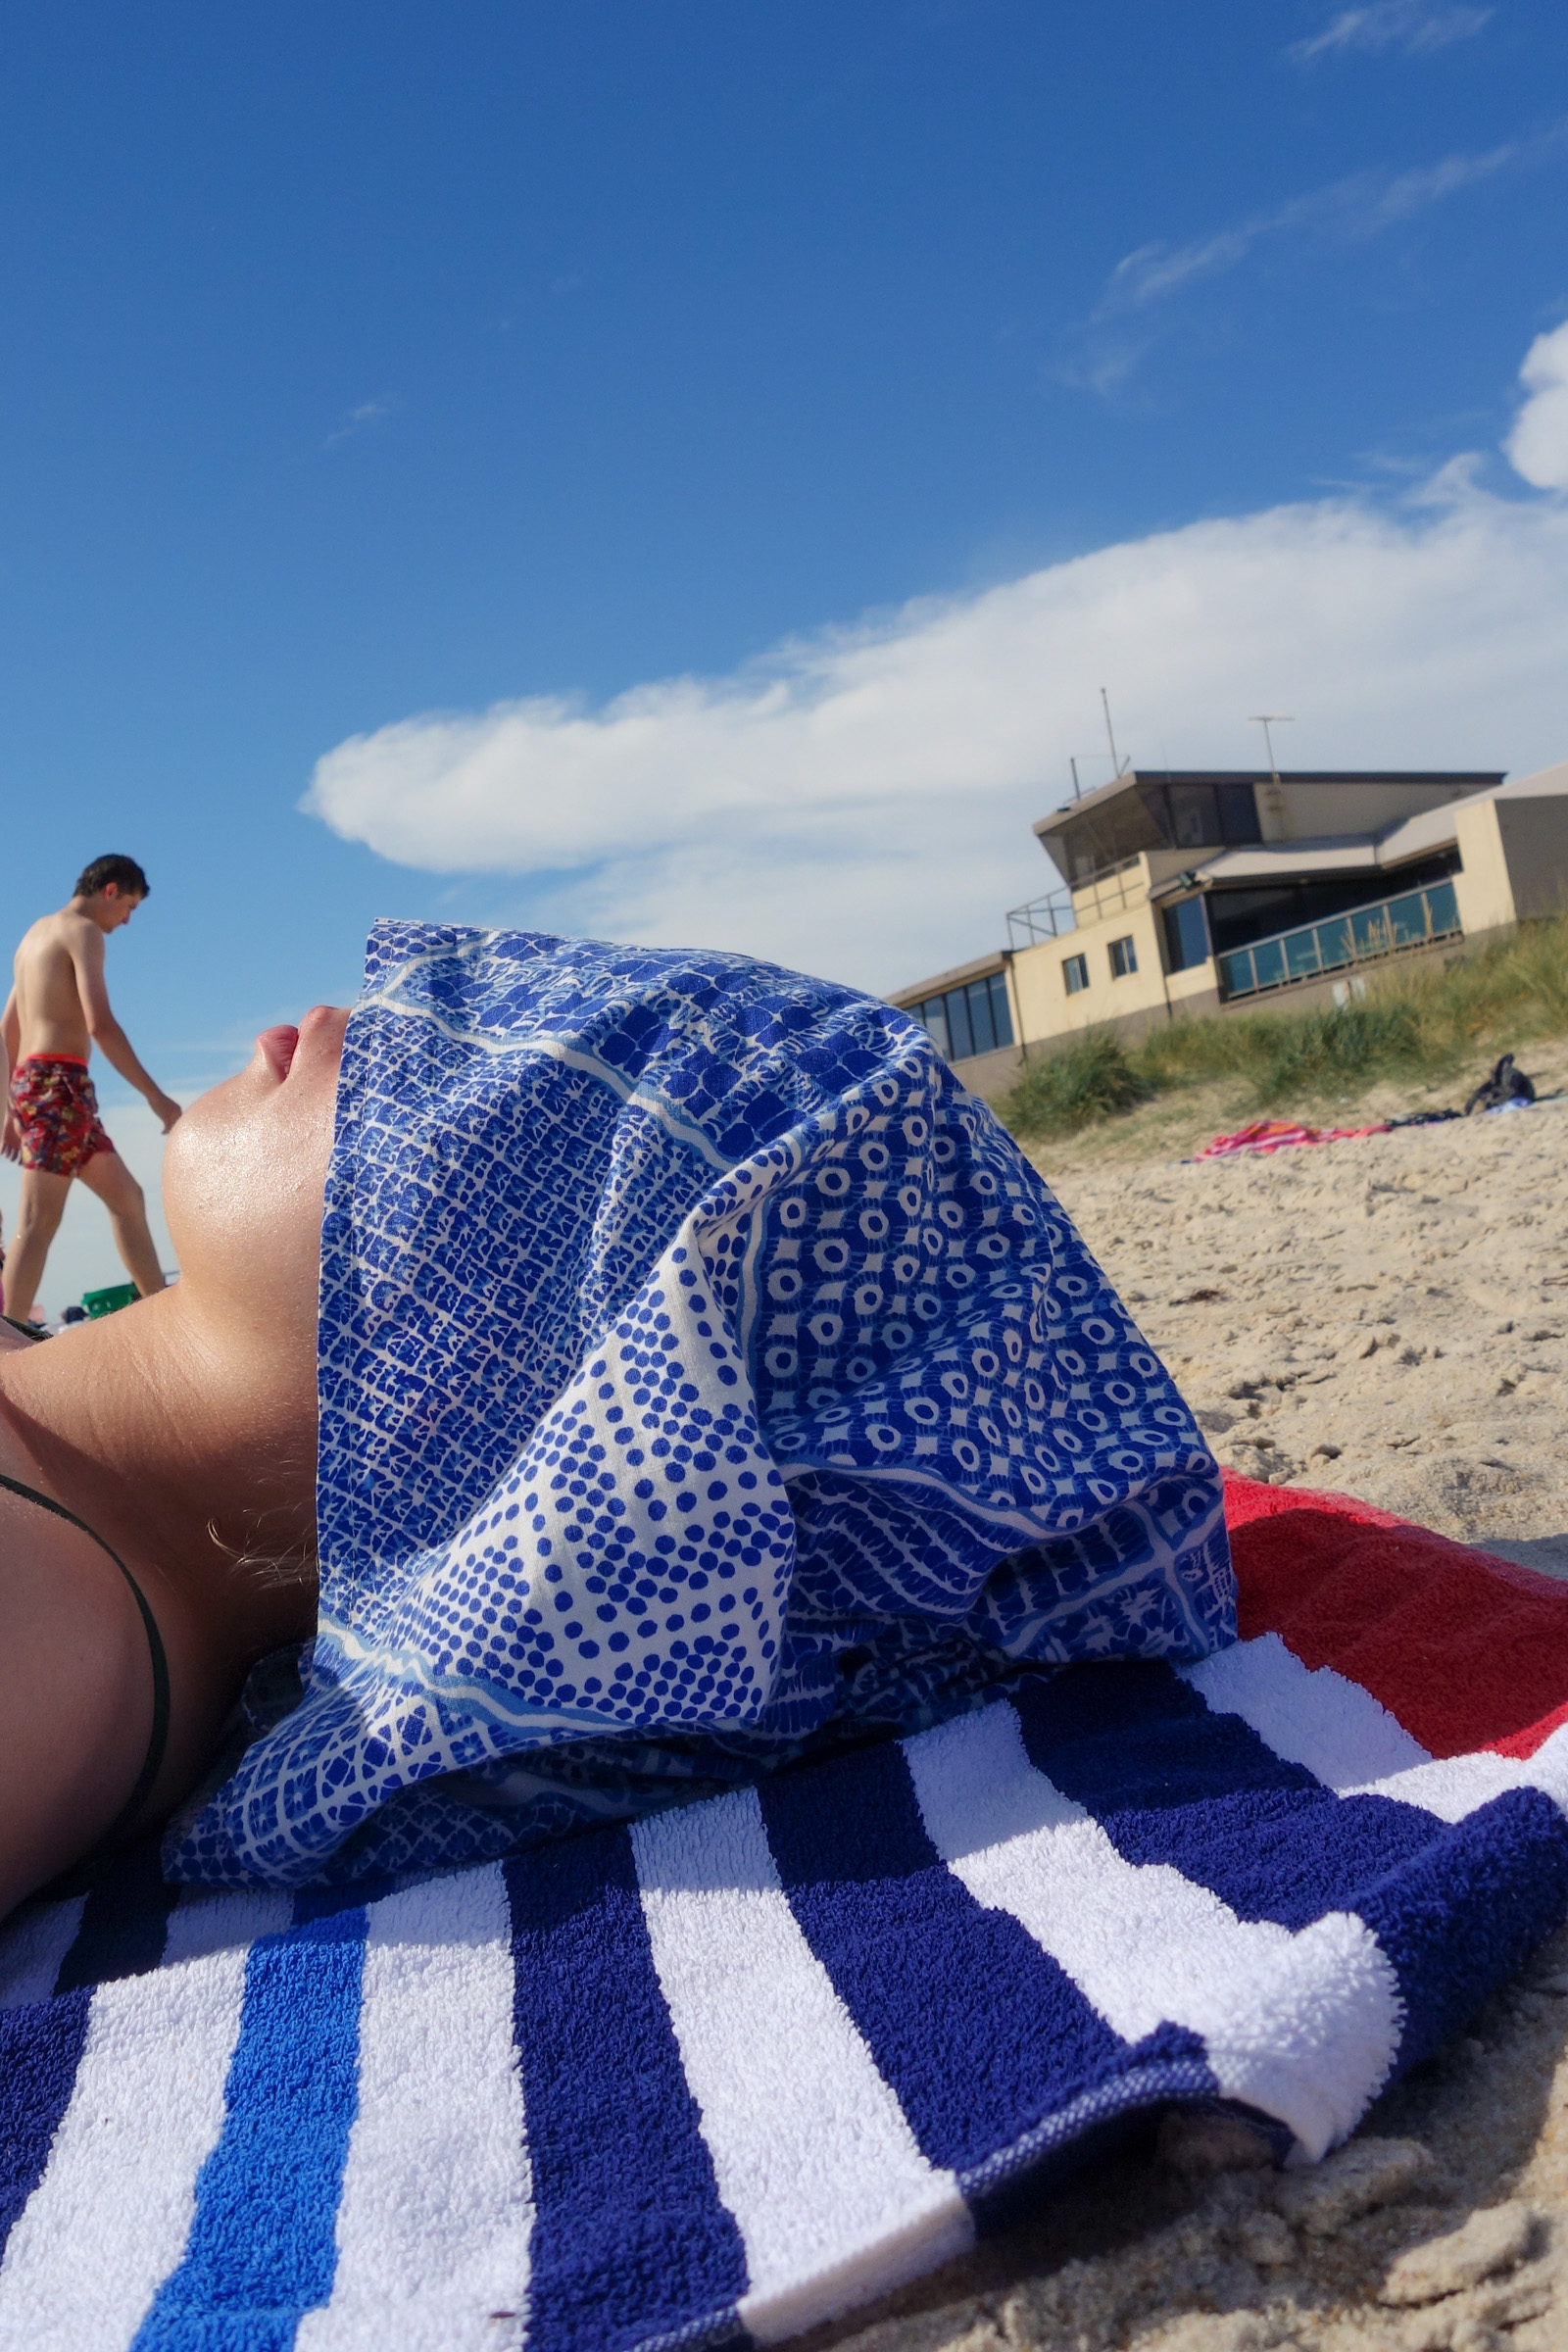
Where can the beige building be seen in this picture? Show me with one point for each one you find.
(1194, 892)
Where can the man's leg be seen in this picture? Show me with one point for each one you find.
(43, 1201)
(107, 1175)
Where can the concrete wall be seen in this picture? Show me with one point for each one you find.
(990, 1075)
(1309, 811)
(1533, 841)
(1483, 889)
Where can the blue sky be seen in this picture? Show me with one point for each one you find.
(791, 415)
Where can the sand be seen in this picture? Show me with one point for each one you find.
(1389, 1318)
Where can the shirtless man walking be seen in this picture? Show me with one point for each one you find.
(56, 1011)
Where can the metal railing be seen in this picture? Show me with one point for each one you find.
(1362, 936)
(1042, 919)
(1118, 886)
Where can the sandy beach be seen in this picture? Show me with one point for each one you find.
(1387, 1317)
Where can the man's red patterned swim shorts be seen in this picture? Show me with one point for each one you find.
(57, 1113)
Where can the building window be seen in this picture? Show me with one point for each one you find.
(968, 1020)
(1075, 972)
(932, 1015)
(1185, 935)
(1123, 958)
(1200, 817)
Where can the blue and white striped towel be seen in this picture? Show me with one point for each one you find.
(707, 2078)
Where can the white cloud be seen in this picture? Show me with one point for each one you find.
(1411, 26)
(859, 803)
(1107, 347)
(1358, 206)
(1537, 446)
(369, 413)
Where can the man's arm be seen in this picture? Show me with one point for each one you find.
(88, 959)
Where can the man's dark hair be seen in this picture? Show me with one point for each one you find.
(124, 870)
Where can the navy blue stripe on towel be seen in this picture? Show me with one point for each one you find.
(40, 2050)
(125, 1921)
(1171, 1782)
(1467, 1914)
(630, 2239)
(978, 2031)
(262, 2247)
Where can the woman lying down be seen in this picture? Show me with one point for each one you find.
(686, 1375)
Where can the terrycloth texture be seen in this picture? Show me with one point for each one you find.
(703, 1372)
(755, 2060)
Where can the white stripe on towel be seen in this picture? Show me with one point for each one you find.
(1339, 1733)
(812, 2151)
(436, 2212)
(1453, 1785)
(1352, 1744)
(110, 2218)
(1303, 2026)
(31, 1951)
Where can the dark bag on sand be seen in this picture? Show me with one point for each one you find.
(1506, 1085)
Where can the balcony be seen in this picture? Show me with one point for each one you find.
(1064, 910)
(1367, 935)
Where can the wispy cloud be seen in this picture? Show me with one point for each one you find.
(1361, 205)
(360, 420)
(859, 803)
(1414, 26)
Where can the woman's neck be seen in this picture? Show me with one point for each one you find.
(188, 1448)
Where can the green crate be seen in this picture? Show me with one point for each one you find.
(110, 1302)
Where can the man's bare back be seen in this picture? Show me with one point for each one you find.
(55, 957)
(56, 1011)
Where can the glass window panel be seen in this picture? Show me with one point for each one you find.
(1301, 953)
(1369, 928)
(1075, 973)
(977, 996)
(1444, 901)
(1236, 974)
(1407, 918)
(1237, 814)
(934, 1014)
(1333, 945)
(1000, 1009)
(1123, 958)
(1185, 935)
(958, 1026)
(1268, 963)
(1194, 819)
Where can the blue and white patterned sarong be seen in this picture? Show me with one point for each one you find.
(705, 1377)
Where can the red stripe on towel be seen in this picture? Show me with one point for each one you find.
(1467, 1650)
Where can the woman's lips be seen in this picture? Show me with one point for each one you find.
(320, 1035)
(277, 1047)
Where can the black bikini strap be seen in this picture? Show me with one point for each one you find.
(158, 1739)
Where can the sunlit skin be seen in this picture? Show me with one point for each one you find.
(183, 1429)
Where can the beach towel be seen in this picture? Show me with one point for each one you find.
(704, 1374)
(706, 2078)
(1282, 1135)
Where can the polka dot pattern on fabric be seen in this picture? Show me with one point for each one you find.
(703, 1373)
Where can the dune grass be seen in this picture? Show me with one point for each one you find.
(1419, 1025)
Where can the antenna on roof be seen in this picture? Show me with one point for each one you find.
(1264, 719)
(1077, 788)
(1110, 736)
